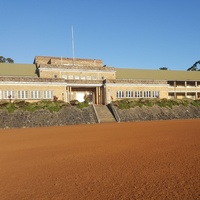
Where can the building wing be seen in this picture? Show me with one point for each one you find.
(8, 69)
(122, 73)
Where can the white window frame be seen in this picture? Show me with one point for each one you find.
(129, 94)
(89, 78)
(48, 94)
(120, 94)
(138, 94)
(70, 77)
(64, 76)
(156, 94)
(7, 93)
(94, 78)
(22, 94)
(35, 94)
(147, 94)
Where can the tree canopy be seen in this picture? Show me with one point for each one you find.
(163, 68)
(6, 60)
(194, 67)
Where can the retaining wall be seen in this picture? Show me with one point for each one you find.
(67, 116)
(158, 113)
(73, 116)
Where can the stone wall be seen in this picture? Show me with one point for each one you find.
(74, 116)
(67, 116)
(58, 60)
(158, 113)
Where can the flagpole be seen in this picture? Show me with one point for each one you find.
(73, 44)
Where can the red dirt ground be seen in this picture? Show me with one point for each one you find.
(138, 160)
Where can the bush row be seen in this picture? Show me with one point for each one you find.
(52, 106)
(131, 103)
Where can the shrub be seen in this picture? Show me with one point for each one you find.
(52, 106)
(10, 107)
(82, 105)
(131, 103)
(195, 103)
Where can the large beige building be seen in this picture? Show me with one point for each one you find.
(68, 79)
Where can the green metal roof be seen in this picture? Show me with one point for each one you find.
(122, 73)
(12, 69)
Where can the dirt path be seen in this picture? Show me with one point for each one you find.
(141, 160)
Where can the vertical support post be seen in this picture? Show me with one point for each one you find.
(175, 96)
(70, 93)
(99, 95)
(97, 102)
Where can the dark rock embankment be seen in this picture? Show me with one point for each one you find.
(67, 116)
(158, 113)
(74, 116)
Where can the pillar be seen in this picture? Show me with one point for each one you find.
(96, 98)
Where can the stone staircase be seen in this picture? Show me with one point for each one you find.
(103, 113)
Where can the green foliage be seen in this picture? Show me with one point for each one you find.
(6, 60)
(163, 68)
(10, 107)
(196, 103)
(31, 107)
(52, 106)
(194, 66)
(82, 105)
(131, 103)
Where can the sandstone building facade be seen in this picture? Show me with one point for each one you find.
(68, 79)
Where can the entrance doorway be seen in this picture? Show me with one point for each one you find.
(80, 96)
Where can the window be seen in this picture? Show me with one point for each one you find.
(89, 78)
(64, 76)
(120, 94)
(147, 94)
(138, 94)
(22, 94)
(9, 94)
(70, 77)
(156, 94)
(35, 95)
(129, 94)
(94, 78)
(48, 94)
(82, 77)
(76, 77)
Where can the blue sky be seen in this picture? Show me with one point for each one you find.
(141, 34)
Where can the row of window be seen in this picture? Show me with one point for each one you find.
(138, 94)
(183, 84)
(76, 77)
(24, 94)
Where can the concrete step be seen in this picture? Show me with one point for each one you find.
(104, 114)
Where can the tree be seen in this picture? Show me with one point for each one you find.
(10, 60)
(6, 60)
(163, 68)
(2, 59)
(194, 67)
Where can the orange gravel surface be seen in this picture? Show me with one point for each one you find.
(137, 160)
